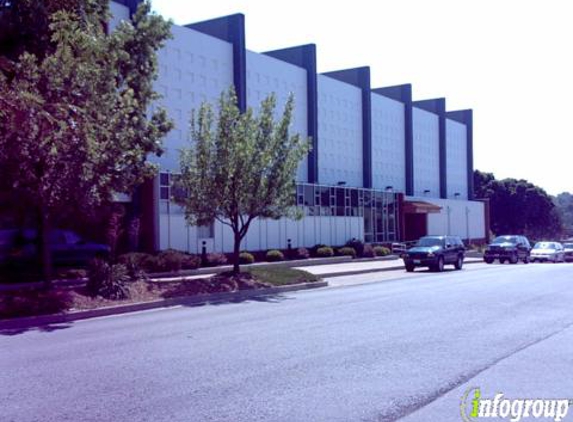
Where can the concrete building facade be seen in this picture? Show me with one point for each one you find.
(383, 167)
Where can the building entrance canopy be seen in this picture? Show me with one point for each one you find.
(421, 207)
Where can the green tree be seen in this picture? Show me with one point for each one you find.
(240, 166)
(75, 125)
(564, 204)
(518, 207)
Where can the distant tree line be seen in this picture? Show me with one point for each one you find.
(519, 207)
(564, 204)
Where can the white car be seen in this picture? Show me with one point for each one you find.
(548, 251)
(568, 250)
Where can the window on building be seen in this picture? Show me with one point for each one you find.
(300, 195)
(340, 202)
(207, 231)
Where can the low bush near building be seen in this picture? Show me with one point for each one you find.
(368, 251)
(315, 248)
(347, 251)
(246, 258)
(170, 260)
(357, 245)
(302, 253)
(381, 251)
(214, 259)
(324, 252)
(108, 281)
(139, 262)
(275, 255)
(190, 262)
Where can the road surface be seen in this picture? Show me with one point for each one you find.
(404, 349)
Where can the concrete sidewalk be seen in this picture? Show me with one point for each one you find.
(357, 267)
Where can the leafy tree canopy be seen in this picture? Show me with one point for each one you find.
(75, 125)
(240, 166)
(518, 207)
(564, 204)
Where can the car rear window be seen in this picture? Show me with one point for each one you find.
(545, 245)
(505, 239)
(430, 241)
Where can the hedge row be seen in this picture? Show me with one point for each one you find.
(172, 260)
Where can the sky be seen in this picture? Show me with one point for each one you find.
(509, 60)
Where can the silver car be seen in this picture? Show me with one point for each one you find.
(548, 251)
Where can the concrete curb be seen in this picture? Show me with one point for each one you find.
(373, 270)
(210, 271)
(200, 272)
(196, 300)
(224, 268)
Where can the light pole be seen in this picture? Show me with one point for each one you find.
(468, 225)
(449, 210)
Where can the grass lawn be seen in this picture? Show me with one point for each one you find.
(282, 276)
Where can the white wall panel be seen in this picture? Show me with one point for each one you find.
(193, 68)
(339, 132)
(263, 234)
(388, 143)
(118, 12)
(456, 159)
(266, 75)
(426, 133)
(461, 218)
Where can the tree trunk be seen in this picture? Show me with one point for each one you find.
(236, 253)
(44, 246)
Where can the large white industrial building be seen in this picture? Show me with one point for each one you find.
(382, 168)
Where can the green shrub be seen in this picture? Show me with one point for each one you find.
(246, 258)
(381, 251)
(316, 247)
(368, 251)
(275, 255)
(137, 262)
(108, 281)
(324, 252)
(347, 251)
(357, 245)
(214, 259)
(302, 253)
(191, 262)
(170, 260)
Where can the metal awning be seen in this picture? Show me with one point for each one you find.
(421, 207)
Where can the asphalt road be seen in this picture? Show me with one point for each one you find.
(399, 349)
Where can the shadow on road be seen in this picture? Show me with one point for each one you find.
(52, 323)
(241, 297)
(45, 328)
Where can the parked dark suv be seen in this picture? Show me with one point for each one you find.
(434, 252)
(511, 248)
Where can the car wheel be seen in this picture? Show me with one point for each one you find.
(502, 260)
(440, 265)
(526, 259)
(409, 268)
(459, 263)
(513, 259)
(488, 260)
